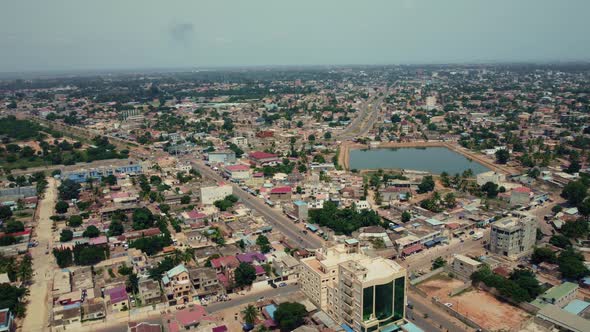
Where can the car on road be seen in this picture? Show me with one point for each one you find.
(282, 284)
(273, 285)
(448, 304)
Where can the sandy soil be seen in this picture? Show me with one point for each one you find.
(37, 318)
(480, 306)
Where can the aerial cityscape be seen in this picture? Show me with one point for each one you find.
(259, 193)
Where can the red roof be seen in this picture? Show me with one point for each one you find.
(521, 190)
(281, 190)
(261, 155)
(412, 249)
(237, 168)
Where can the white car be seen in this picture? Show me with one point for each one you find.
(448, 304)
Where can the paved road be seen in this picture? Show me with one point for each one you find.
(37, 317)
(251, 298)
(436, 320)
(364, 121)
(276, 218)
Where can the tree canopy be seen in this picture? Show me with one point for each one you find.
(343, 221)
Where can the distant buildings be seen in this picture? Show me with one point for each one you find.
(99, 172)
(513, 236)
(362, 292)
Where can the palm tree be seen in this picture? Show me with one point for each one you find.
(249, 314)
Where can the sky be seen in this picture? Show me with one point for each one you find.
(40, 35)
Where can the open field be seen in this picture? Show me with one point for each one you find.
(479, 306)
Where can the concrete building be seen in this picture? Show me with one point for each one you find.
(520, 196)
(149, 291)
(177, 285)
(463, 266)
(513, 236)
(215, 193)
(205, 281)
(237, 172)
(240, 141)
(225, 157)
(301, 210)
(365, 293)
(559, 295)
(491, 176)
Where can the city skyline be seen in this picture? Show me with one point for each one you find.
(72, 36)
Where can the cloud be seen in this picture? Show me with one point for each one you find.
(182, 32)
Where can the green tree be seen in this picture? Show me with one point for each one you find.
(560, 240)
(263, 243)
(250, 314)
(502, 156)
(575, 191)
(575, 229)
(571, 264)
(406, 216)
(543, 254)
(14, 226)
(142, 219)
(116, 228)
(490, 189)
(91, 231)
(426, 185)
(69, 190)
(438, 263)
(5, 212)
(290, 315)
(61, 207)
(244, 275)
(185, 199)
(66, 235)
(110, 180)
(75, 221)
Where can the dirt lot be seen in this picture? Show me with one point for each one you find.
(479, 306)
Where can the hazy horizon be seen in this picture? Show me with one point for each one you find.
(71, 36)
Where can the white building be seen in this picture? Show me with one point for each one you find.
(215, 193)
(513, 236)
(365, 293)
(490, 176)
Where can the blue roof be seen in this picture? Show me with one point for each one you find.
(299, 203)
(271, 309)
(411, 327)
(347, 328)
(576, 306)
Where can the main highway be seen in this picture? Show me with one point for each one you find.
(279, 221)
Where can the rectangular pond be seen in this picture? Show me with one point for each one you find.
(431, 159)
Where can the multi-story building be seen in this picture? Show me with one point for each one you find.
(149, 291)
(177, 285)
(463, 266)
(513, 236)
(301, 209)
(365, 293)
(205, 280)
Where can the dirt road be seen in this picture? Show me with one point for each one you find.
(37, 318)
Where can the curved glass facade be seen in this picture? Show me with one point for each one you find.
(400, 288)
(384, 301)
(367, 302)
